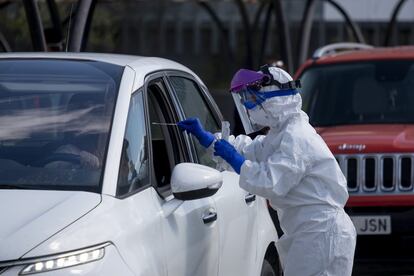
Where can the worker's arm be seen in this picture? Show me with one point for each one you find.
(281, 172)
(243, 144)
(194, 127)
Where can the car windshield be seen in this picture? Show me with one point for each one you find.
(55, 117)
(359, 93)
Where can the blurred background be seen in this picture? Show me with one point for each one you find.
(213, 38)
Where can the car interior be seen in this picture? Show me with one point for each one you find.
(165, 149)
(360, 94)
(54, 138)
(367, 90)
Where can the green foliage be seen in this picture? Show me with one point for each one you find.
(14, 26)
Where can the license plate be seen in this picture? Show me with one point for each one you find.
(372, 225)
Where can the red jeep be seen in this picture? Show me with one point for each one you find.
(361, 101)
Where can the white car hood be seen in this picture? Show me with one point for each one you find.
(28, 217)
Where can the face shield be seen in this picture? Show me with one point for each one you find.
(250, 89)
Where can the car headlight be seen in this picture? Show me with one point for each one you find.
(64, 260)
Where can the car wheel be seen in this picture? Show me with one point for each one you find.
(269, 270)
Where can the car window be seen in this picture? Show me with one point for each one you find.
(134, 169)
(167, 146)
(368, 92)
(55, 120)
(195, 105)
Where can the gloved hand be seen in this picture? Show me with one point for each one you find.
(226, 151)
(193, 126)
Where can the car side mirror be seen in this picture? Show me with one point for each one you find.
(193, 181)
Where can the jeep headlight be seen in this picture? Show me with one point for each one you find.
(59, 261)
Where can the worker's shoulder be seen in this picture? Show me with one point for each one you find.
(299, 127)
(301, 136)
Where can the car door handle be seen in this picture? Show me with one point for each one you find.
(250, 198)
(210, 217)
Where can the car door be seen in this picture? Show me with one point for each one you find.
(190, 241)
(236, 208)
(135, 213)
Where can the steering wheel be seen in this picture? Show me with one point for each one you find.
(64, 157)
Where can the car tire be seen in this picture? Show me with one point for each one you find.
(269, 270)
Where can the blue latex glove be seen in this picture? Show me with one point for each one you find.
(193, 126)
(226, 151)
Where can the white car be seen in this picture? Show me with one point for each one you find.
(95, 178)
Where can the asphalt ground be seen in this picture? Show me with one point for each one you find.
(383, 268)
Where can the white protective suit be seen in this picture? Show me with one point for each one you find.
(293, 168)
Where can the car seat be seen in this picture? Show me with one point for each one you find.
(87, 110)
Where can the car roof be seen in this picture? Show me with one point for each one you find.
(402, 52)
(138, 63)
(382, 53)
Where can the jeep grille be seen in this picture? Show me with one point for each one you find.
(392, 173)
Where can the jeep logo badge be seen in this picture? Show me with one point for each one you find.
(352, 147)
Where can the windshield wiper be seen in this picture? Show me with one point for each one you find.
(14, 187)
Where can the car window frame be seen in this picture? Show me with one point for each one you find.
(183, 145)
(211, 104)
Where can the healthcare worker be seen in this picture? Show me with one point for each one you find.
(294, 169)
